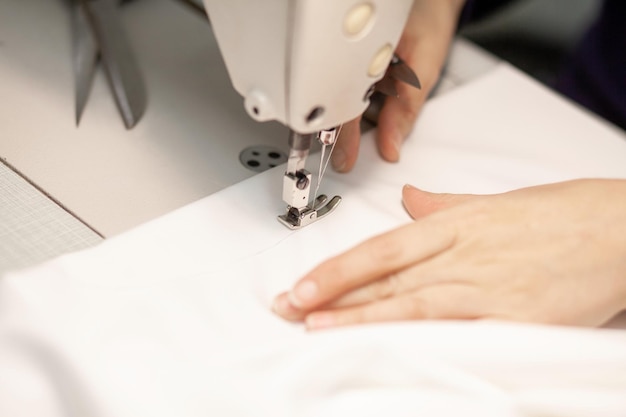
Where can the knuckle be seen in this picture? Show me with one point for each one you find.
(411, 111)
(354, 316)
(386, 287)
(380, 289)
(395, 282)
(385, 249)
(336, 274)
(415, 307)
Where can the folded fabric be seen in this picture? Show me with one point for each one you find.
(173, 318)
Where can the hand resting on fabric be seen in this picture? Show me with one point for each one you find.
(546, 254)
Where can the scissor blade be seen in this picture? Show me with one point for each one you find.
(399, 70)
(85, 58)
(118, 60)
(387, 86)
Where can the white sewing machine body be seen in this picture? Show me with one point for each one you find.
(309, 64)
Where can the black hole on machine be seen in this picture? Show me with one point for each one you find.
(255, 153)
(255, 110)
(274, 155)
(253, 163)
(316, 113)
(272, 166)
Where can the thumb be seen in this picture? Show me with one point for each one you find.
(422, 203)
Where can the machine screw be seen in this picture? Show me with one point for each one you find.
(302, 182)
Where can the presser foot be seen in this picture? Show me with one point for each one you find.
(296, 218)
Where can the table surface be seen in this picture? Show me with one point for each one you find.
(64, 188)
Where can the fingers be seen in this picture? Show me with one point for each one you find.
(452, 301)
(398, 283)
(392, 285)
(347, 147)
(421, 203)
(385, 266)
(395, 284)
(402, 308)
(424, 47)
(415, 278)
(396, 121)
(377, 257)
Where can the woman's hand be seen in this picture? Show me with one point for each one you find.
(424, 47)
(551, 254)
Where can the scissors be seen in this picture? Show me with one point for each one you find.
(99, 36)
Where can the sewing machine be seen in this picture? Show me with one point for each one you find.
(187, 146)
(312, 65)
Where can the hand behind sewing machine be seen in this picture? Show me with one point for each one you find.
(423, 46)
(552, 254)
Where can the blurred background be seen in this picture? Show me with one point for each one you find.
(534, 35)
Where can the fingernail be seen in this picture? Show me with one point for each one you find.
(319, 321)
(283, 307)
(303, 292)
(339, 159)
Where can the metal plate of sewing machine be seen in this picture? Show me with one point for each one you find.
(259, 158)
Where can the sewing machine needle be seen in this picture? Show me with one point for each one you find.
(324, 161)
(320, 174)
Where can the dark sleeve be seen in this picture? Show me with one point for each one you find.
(595, 75)
(475, 10)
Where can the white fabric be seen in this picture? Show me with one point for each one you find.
(172, 318)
